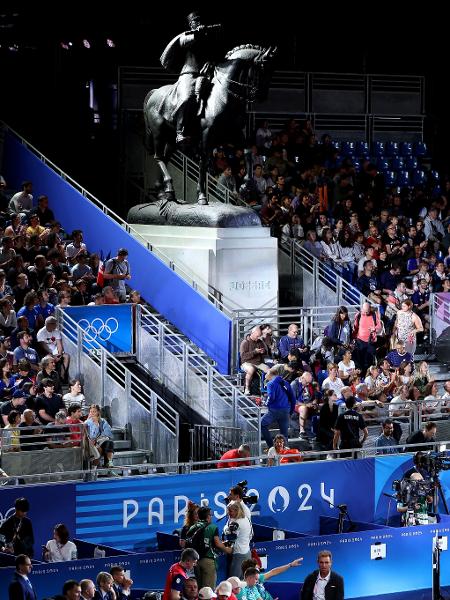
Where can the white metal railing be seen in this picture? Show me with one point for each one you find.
(312, 321)
(323, 273)
(222, 396)
(158, 409)
(203, 287)
(439, 316)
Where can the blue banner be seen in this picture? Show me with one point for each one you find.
(49, 505)
(110, 326)
(127, 513)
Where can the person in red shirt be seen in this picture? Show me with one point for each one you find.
(242, 452)
(74, 419)
(178, 573)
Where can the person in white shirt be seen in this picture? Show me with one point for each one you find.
(60, 549)
(333, 382)
(238, 531)
(50, 340)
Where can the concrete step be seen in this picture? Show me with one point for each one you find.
(120, 445)
(130, 457)
(119, 433)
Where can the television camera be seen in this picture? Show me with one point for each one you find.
(249, 500)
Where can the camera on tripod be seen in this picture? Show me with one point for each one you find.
(434, 462)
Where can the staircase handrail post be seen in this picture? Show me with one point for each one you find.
(103, 376)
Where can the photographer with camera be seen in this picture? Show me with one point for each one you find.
(238, 494)
(204, 538)
(237, 534)
(415, 493)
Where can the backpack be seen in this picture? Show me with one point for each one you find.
(357, 319)
(195, 538)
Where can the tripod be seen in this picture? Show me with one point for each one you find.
(343, 513)
(438, 493)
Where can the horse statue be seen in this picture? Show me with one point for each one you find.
(241, 78)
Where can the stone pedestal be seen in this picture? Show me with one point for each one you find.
(239, 262)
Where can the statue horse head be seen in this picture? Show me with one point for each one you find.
(241, 78)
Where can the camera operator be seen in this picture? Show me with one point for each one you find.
(413, 503)
(237, 533)
(236, 494)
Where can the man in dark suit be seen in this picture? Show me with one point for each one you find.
(121, 583)
(323, 584)
(20, 587)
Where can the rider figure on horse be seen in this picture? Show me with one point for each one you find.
(189, 52)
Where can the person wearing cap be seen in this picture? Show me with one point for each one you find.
(236, 586)
(17, 403)
(117, 271)
(178, 573)
(48, 403)
(206, 593)
(50, 340)
(224, 591)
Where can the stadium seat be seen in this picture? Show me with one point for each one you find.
(378, 149)
(433, 176)
(356, 163)
(391, 149)
(348, 148)
(397, 163)
(406, 149)
(436, 191)
(403, 179)
(382, 164)
(411, 163)
(418, 177)
(389, 177)
(420, 149)
(362, 149)
(336, 144)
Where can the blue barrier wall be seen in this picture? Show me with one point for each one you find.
(188, 310)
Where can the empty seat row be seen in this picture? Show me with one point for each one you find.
(385, 149)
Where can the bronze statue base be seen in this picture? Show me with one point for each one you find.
(215, 214)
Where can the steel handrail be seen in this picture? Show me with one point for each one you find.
(165, 414)
(190, 277)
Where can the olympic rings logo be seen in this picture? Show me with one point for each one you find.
(99, 330)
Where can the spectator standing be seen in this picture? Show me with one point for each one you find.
(386, 439)
(347, 428)
(280, 402)
(117, 271)
(21, 587)
(18, 530)
(366, 326)
(407, 326)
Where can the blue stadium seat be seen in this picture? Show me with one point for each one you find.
(436, 191)
(411, 163)
(397, 163)
(420, 149)
(390, 178)
(433, 176)
(391, 149)
(336, 144)
(403, 179)
(418, 177)
(406, 149)
(382, 164)
(356, 163)
(348, 148)
(378, 149)
(362, 149)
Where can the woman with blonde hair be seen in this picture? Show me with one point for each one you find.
(238, 533)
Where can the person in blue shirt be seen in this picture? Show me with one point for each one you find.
(100, 434)
(44, 309)
(281, 404)
(397, 356)
(386, 439)
(290, 342)
(28, 310)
